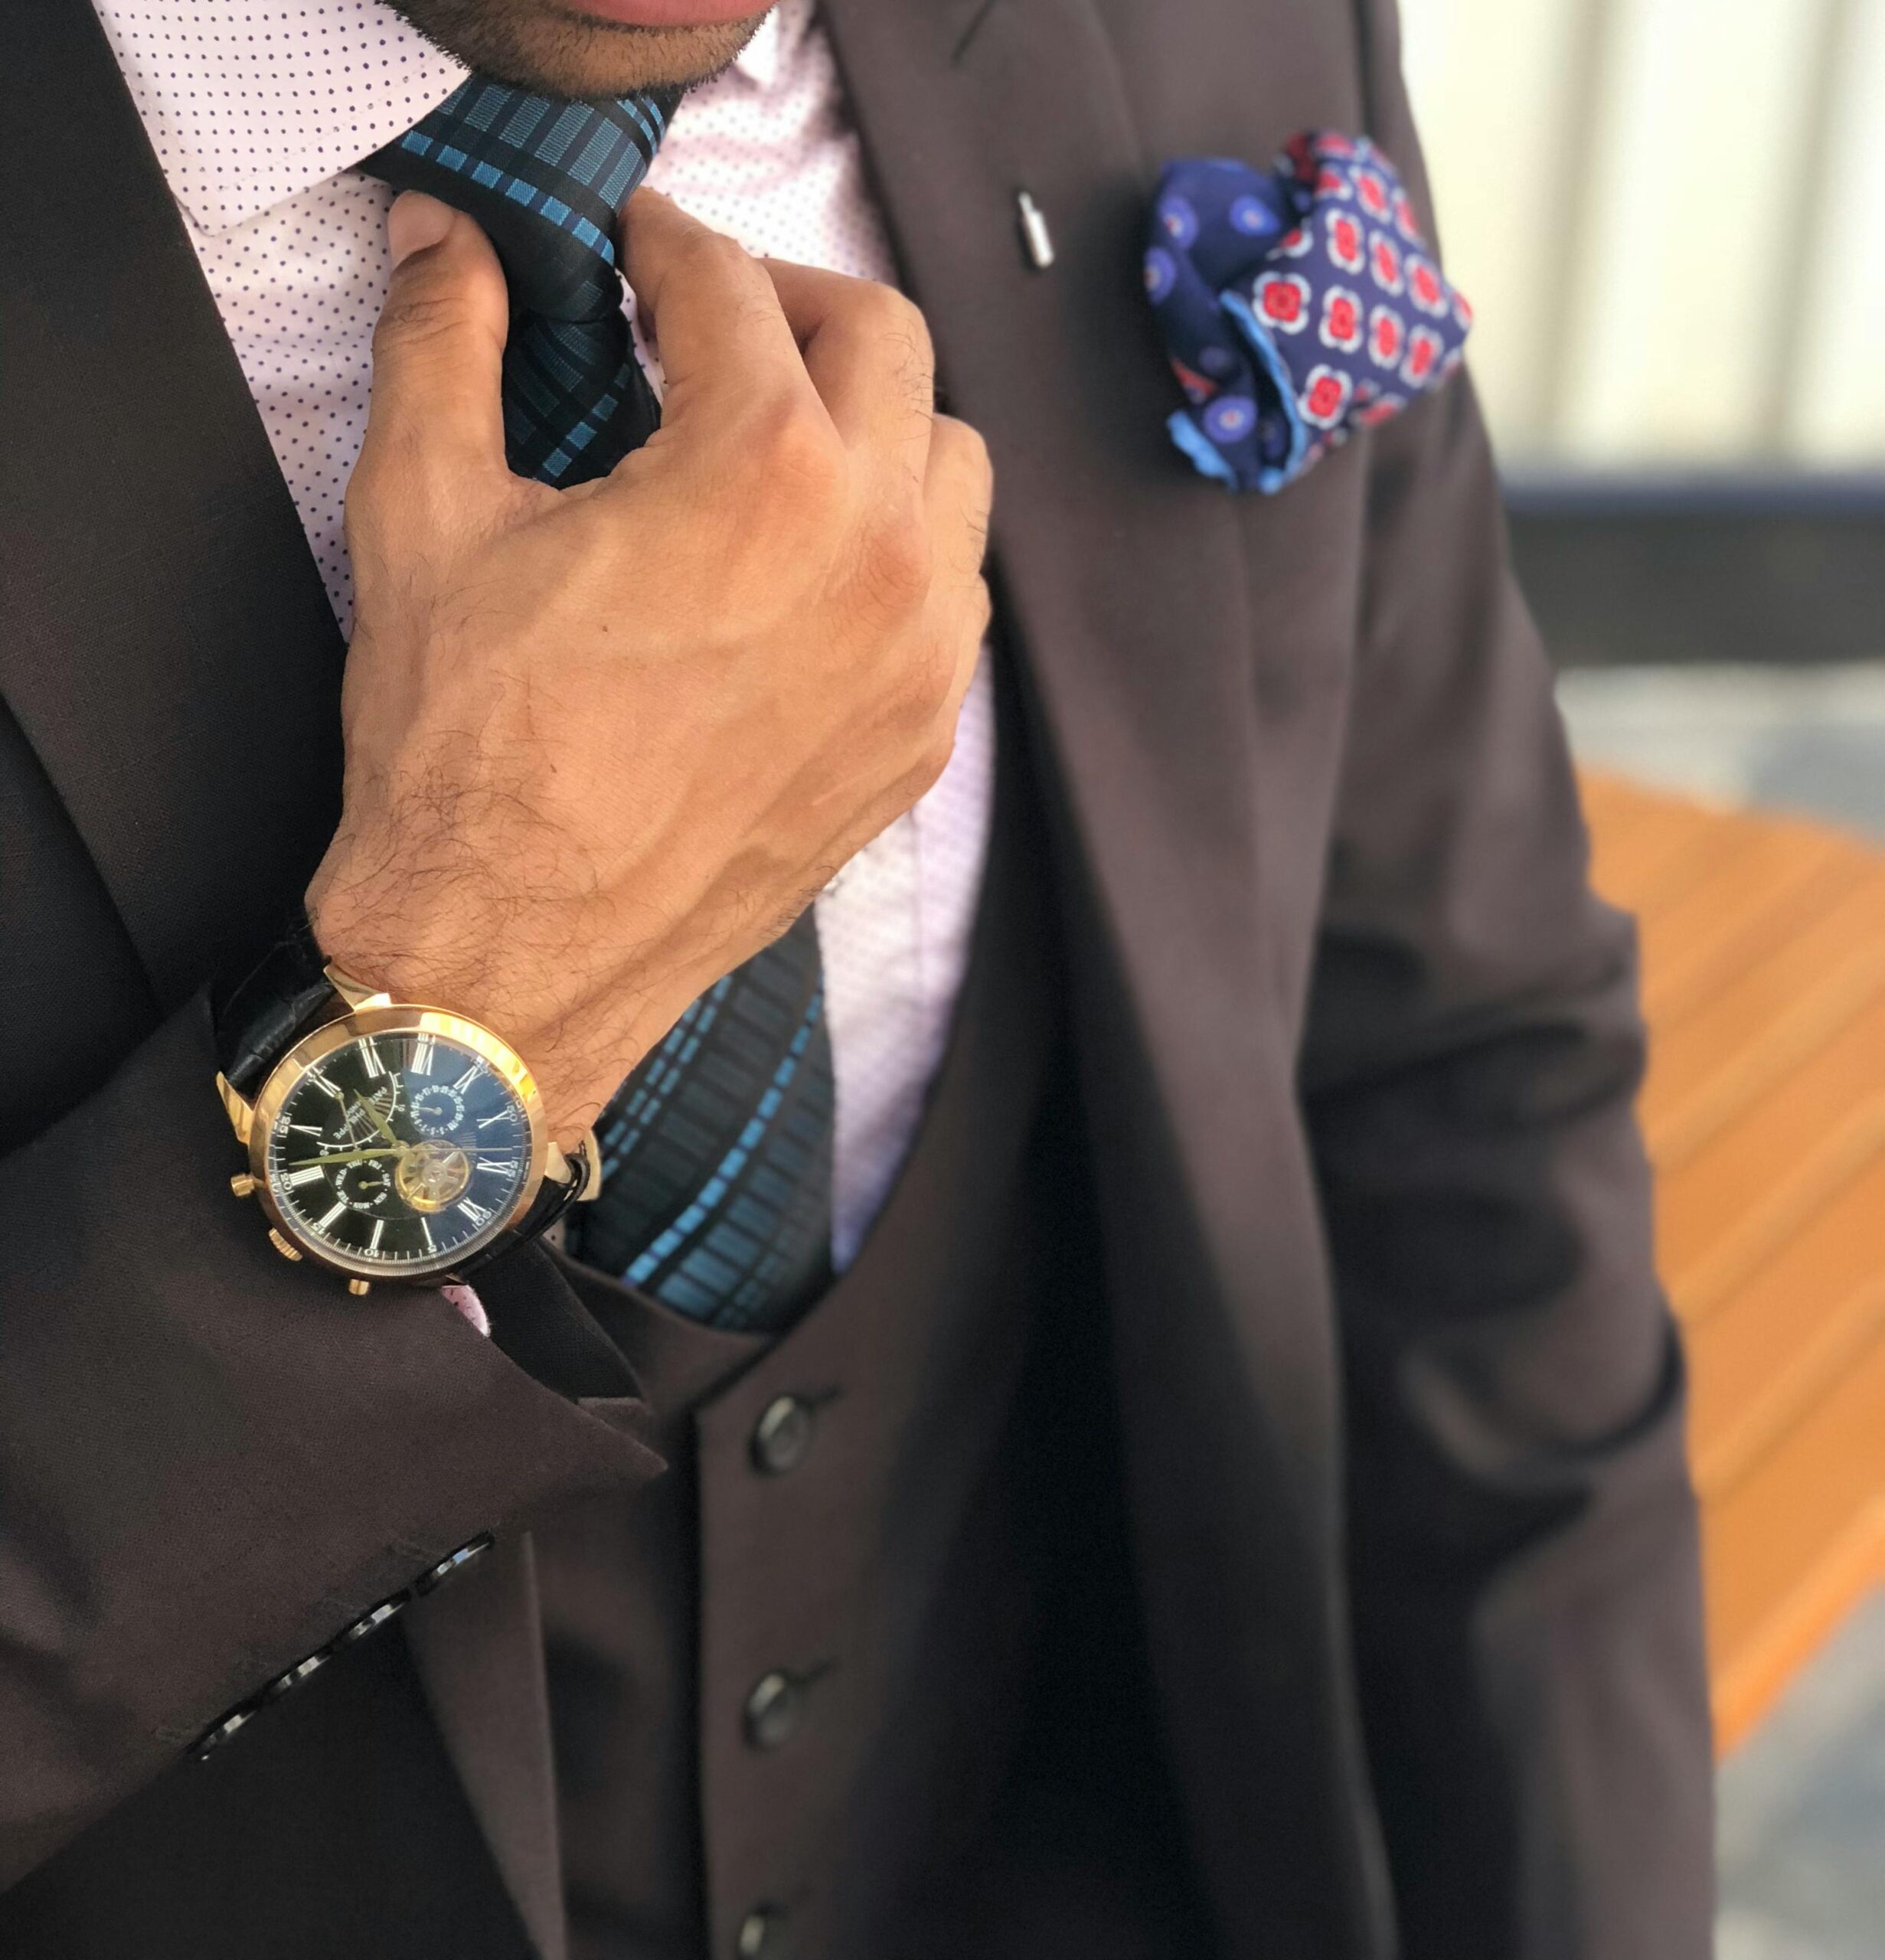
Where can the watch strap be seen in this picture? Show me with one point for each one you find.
(260, 1013)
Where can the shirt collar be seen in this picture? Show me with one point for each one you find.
(763, 60)
(248, 106)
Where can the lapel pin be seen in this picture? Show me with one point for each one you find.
(1036, 238)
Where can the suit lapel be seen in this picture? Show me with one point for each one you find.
(1189, 654)
(1151, 607)
(164, 641)
(1128, 584)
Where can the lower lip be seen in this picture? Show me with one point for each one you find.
(665, 13)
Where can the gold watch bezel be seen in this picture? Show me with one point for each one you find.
(396, 1018)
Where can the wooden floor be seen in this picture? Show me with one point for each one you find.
(1764, 965)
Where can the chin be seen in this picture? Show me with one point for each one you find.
(562, 47)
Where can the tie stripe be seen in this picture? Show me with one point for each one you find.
(571, 164)
(716, 1152)
(747, 1244)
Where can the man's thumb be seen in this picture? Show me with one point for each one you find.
(416, 223)
(438, 352)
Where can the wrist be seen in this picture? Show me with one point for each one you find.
(566, 1024)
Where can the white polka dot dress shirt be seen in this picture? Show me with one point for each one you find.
(257, 109)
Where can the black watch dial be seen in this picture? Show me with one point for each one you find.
(400, 1153)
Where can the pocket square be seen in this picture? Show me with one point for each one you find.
(1296, 306)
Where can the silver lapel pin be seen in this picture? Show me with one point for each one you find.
(1037, 239)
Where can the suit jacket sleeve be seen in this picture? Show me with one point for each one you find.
(1524, 1546)
(211, 1461)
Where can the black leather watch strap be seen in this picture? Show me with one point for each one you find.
(260, 1013)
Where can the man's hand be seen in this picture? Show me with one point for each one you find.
(604, 744)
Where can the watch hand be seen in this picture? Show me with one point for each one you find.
(397, 1150)
(378, 1121)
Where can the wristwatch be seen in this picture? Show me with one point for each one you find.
(387, 1140)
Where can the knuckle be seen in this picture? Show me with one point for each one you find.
(706, 254)
(968, 551)
(927, 682)
(898, 562)
(362, 499)
(884, 311)
(967, 449)
(794, 445)
(931, 764)
(419, 313)
(981, 463)
(386, 487)
(404, 499)
(377, 498)
(905, 334)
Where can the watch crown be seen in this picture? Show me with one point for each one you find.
(356, 1287)
(281, 1245)
(243, 1185)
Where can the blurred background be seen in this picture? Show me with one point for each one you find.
(1670, 215)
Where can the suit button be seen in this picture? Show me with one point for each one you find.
(781, 1438)
(775, 1710)
(764, 1936)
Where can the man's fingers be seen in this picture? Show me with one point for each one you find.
(959, 494)
(867, 351)
(725, 348)
(438, 353)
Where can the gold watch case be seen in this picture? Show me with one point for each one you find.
(369, 1013)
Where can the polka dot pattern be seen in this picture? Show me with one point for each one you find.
(246, 104)
(767, 154)
(256, 112)
(258, 109)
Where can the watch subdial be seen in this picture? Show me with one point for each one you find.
(432, 1175)
(365, 1186)
(437, 1109)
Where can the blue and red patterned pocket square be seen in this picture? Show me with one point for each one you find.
(1296, 304)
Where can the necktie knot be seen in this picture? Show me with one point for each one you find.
(546, 180)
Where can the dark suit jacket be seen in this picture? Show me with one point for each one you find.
(1400, 1405)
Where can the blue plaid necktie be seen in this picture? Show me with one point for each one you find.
(717, 1150)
